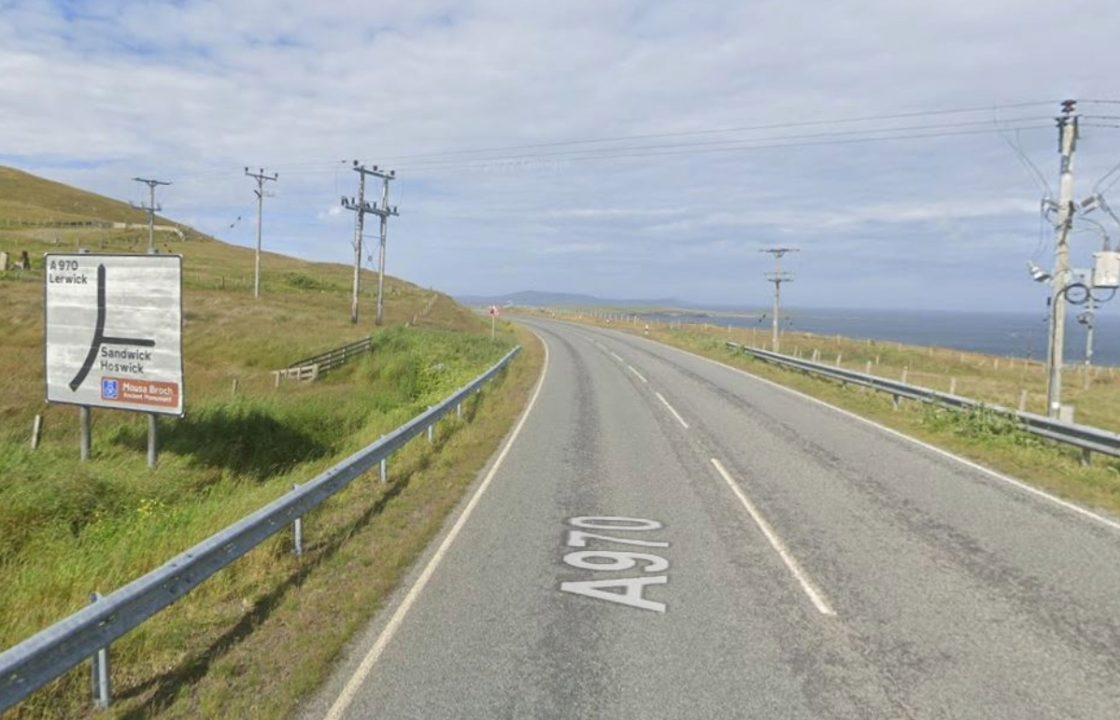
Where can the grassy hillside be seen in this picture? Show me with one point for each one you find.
(28, 198)
(68, 528)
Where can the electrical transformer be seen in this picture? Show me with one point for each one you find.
(1106, 269)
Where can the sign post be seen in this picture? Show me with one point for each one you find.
(494, 313)
(114, 336)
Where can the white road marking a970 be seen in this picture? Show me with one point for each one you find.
(627, 590)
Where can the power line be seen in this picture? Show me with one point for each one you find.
(742, 128)
(627, 152)
(732, 142)
(331, 165)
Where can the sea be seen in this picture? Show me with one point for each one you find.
(1021, 335)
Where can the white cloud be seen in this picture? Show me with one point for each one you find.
(196, 90)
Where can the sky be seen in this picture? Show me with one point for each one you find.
(622, 149)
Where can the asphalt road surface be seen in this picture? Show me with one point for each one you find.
(779, 559)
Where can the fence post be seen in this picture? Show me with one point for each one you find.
(838, 358)
(905, 373)
(867, 368)
(99, 676)
(233, 389)
(36, 431)
(297, 532)
(952, 386)
(1023, 400)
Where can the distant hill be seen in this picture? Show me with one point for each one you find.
(535, 298)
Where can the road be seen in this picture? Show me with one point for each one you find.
(782, 560)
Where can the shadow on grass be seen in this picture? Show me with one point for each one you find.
(247, 442)
(166, 687)
(161, 691)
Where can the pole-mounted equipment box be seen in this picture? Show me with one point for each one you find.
(1106, 269)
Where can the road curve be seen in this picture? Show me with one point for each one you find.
(781, 561)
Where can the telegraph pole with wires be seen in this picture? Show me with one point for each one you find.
(361, 207)
(777, 277)
(384, 212)
(261, 179)
(152, 209)
(1067, 145)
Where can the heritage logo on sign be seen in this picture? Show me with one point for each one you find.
(141, 392)
(110, 389)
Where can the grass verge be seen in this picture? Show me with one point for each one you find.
(260, 635)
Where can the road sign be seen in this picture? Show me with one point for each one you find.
(494, 311)
(114, 331)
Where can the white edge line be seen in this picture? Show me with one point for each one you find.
(814, 594)
(899, 434)
(342, 703)
(673, 410)
(631, 369)
(615, 356)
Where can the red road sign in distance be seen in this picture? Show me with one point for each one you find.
(495, 311)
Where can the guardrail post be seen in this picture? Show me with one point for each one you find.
(275, 378)
(1086, 456)
(459, 410)
(384, 470)
(896, 401)
(99, 675)
(297, 532)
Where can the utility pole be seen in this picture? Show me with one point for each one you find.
(1067, 128)
(361, 207)
(777, 277)
(261, 178)
(152, 208)
(384, 212)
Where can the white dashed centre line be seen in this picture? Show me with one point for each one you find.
(673, 410)
(807, 585)
(638, 374)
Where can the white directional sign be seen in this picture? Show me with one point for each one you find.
(114, 331)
